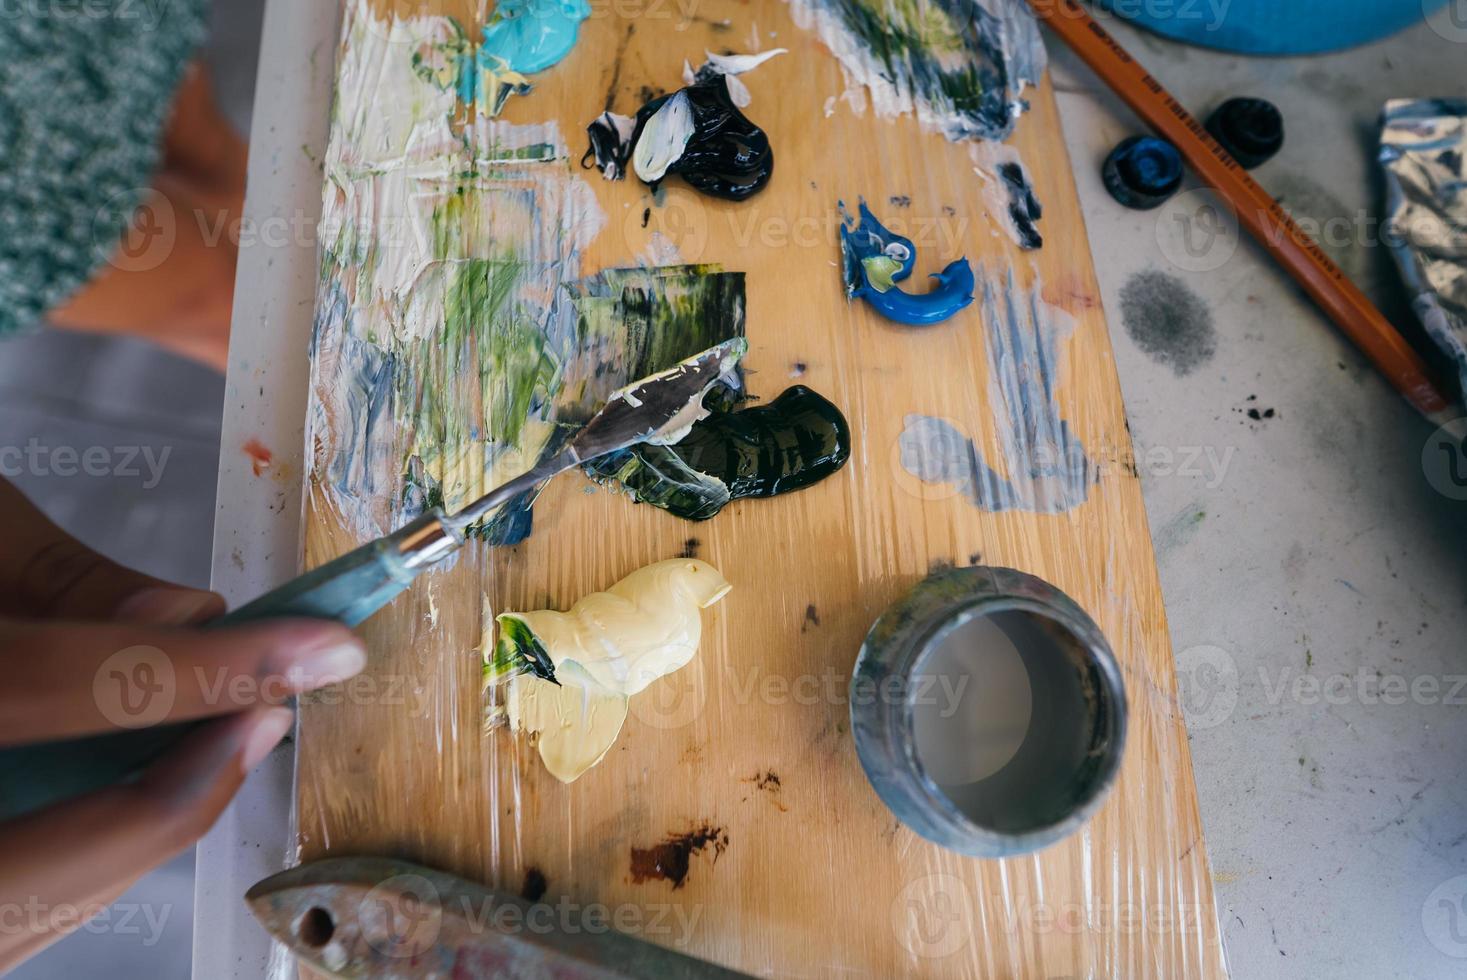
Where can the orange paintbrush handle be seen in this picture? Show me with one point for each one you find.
(1256, 209)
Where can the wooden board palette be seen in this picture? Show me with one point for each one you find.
(737, 774)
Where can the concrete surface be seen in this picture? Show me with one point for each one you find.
(1311, 570)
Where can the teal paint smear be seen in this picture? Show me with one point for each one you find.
(522, 38)
(527, 36)
(1042, 466)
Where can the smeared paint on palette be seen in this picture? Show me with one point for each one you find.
(458, 347)
(961, 66)
(521, 38)
(261, 459)
(1008, 193)
(1041, 465)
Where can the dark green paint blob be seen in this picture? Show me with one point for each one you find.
(798, 439)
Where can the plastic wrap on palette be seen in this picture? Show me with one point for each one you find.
(1423, 143)
(455, 349)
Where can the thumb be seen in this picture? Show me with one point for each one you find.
(45, 573)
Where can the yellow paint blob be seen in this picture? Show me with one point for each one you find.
(609, 646)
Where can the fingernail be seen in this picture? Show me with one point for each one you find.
(265, 735)
(332, 663)
(169, 607)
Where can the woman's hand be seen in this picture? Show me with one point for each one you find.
(87, 646)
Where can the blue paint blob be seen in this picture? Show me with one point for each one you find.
(875, 259)
(531, 35)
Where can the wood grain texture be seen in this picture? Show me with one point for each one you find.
(817, 878)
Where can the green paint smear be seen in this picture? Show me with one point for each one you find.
(645, 320)
(879, 271)
(522, 356)
(622, 324)
(517, 651)
(950, 53)
(796, 440)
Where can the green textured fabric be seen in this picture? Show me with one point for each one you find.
(85, 89)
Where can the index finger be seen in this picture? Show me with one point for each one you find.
(68, 679)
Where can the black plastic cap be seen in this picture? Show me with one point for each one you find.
(1252, 130)
(1142, 172)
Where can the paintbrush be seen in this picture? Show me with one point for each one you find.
(1256, 209)
(657, 409)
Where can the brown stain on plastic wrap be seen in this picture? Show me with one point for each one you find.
(671, 859)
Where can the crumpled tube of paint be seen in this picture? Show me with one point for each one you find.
(988, 712)
(1422, 145)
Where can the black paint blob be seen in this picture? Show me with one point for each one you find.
(727, 156)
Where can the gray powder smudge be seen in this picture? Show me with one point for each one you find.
(1047, 468)
(1170, 323)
